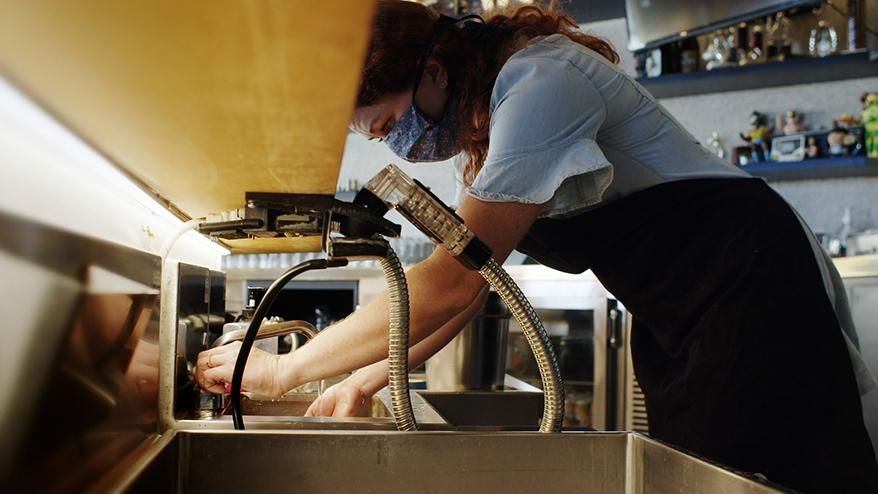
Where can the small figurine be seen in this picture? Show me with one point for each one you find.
(870, 122)
(836, 140)
(792, 123)
(758, 137)
(716, 145)
(813, 149)
(845, 120)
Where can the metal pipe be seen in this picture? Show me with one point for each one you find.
(537, 338)
(268, 331)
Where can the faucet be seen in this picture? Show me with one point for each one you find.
(269, 331)
(212, 405)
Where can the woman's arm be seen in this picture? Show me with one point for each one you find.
(349, 396)
(372, 378)
(440, 288)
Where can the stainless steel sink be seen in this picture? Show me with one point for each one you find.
(287, 413)
(295, 405)
(483, 410)
(427, 462)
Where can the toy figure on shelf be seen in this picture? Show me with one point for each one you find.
(791, 122)
(716, 145)
(813, 148)
(758, 137)
(870, 122)
(844, 120)
(837, 138)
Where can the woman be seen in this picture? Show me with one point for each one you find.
(735, 342)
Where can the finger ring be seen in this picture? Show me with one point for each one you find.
(209, 362)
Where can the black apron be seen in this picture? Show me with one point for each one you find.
(735, 342)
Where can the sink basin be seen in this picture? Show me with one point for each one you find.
(295, 405)
(509, 410)
(468, 410)
(287, 413)
(428, 462)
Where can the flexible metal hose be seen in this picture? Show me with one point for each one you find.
(398, 351)
(261, 311)
(537, 338)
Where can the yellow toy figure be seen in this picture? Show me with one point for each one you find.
(870, 122)
(759, 137)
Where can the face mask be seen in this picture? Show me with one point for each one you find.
(417, 138)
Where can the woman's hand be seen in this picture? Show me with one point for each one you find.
(344, 399)
(262, 376)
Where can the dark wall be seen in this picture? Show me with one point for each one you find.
(582, 10)
(594, 10)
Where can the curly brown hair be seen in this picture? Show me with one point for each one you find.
(402, 31)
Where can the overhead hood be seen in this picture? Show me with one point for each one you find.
(198, 101)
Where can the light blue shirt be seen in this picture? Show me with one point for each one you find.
(572, 130)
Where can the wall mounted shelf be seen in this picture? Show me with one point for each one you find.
(799, 70)
(838, 167)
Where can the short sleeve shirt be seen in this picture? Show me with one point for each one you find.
(570, 130)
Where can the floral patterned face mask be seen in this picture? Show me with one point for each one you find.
(417, 138)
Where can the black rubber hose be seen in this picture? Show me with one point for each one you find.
(261, 310)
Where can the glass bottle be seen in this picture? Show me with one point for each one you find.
(756, 51)
(689, 55)
(823, 40)
(779, 47)
(718, 51)
(742, 44)
(855, 25)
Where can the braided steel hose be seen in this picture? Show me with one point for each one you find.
(398, 350)
(393, 188)
(537, 338)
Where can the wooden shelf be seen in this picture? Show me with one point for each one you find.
(799, 70)
(840, 167)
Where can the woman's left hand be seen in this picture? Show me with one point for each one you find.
(340, 400)
(262, 376)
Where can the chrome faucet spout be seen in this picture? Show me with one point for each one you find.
(268, 331)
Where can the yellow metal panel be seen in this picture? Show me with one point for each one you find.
(268, 245)
(201, 101)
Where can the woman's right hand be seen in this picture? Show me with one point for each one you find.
(344, 399)
(263, 374)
